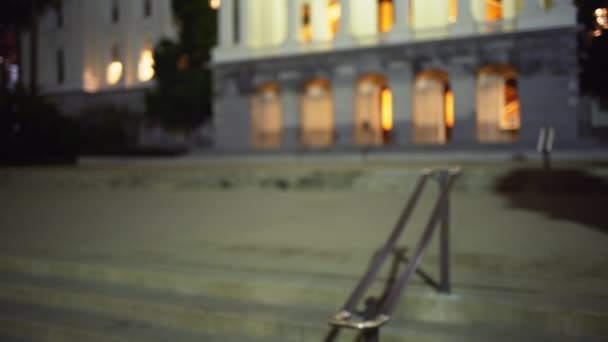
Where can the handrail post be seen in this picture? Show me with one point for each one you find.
(444, 243)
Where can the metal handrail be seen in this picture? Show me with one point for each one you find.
(369, 324)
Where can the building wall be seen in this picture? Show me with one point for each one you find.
(87, 37)
(423, 37)
(546, 84)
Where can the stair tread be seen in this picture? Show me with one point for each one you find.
(189, 276)
(30, 322)
(191, 309)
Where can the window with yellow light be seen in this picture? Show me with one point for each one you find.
(145, 68)
(493, 10)
(386, 15)
(386, 102)
(306, 28)
(114, 69)
(334, 12)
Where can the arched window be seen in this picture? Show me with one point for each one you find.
(266, 117)
(386, 15)
(433, 108)
(498, 115)
(373, 111)
(317, 114)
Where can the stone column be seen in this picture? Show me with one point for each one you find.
(290, 110)
(465, 22)
(320, 21)
(401, 82)
(401, 28)
(344, 35)
(293, 23)
(343, 88)
(463, 83)
(226, 23)
(532, 15)
(243, 18)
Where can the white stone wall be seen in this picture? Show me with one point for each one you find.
(271, 26)
(87, 37)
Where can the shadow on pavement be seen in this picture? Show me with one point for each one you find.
(563, 194)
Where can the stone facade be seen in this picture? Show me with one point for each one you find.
(540, 44)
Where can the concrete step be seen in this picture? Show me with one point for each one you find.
(181, 317)
(520, 311)
(374, 177)
(24, 321)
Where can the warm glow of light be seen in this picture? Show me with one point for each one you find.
(509, 118)
(114, 72)
(306, 33)
(453, 10)
(387, 16)
(387, 109)
(90, 81)
(215, 4)
(601, 17)
(449, 109)
(334, 11)
(146, 65)
(306, 29)
(493, 10)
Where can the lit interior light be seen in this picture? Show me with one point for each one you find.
(387, 17)
(387, 109)
(449, 109)
(334, 12)
(215, 4)
(91, 83)
(146, 65)
(114, 72)
(453, 11)
(601, 17)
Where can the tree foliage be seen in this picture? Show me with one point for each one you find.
(182, 96)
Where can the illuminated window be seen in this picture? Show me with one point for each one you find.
(90, 81)
(373, 111)
(306, 29)
(334, 12)
(601, 18)
(147, 8)
(454, 10)
(60, 67)
(114, 70)
(498, 112)
(317, 117)
(386, 15)
(215, 4)
(145, 68)
(493, 10)
(433, 108)
(266, 118)
(115, 11)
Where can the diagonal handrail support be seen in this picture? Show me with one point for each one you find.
(378, 312)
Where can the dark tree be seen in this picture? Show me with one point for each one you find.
(593, 49)
(182, 97)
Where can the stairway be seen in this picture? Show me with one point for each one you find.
(53, 300)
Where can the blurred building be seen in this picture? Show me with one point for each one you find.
(442, 74)
(9, 69)
(100, 52)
